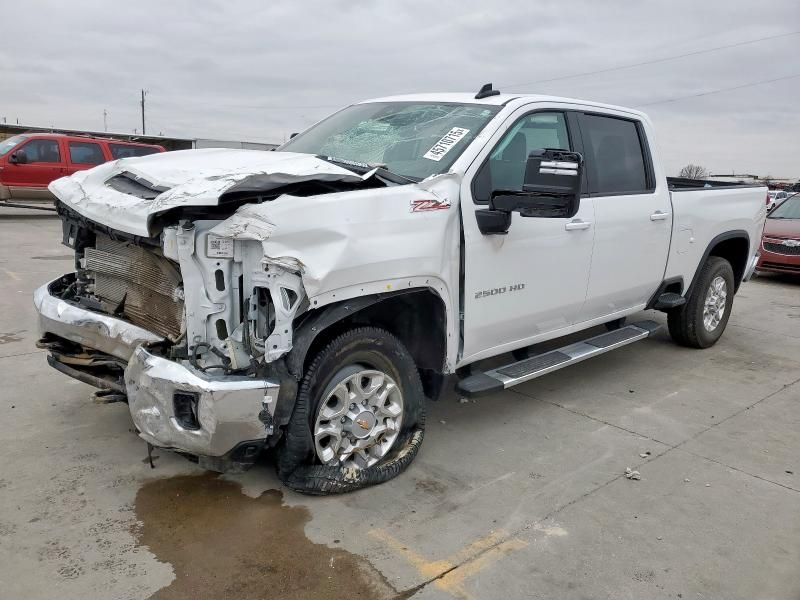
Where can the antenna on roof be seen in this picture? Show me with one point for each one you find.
(486, 91)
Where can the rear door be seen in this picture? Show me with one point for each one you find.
(531, 281)
(84, 155)
(44, 163)
(633, 215)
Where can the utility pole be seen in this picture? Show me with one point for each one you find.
(105, 120)
(144, 131)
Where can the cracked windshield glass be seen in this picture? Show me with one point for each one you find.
(414, 140)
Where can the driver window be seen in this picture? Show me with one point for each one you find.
(505, 167)
(42, 151)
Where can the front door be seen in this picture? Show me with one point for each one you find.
(44, 163)
(531, 281)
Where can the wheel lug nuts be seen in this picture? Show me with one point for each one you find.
(344, 419)
(364, 403)
(353, 406)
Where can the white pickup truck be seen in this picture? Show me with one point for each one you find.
(311, 299)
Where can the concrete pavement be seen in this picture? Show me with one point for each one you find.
(518, 495)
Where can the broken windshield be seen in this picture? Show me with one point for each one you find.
(412, 139)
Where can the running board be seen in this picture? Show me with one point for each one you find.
(521, 371)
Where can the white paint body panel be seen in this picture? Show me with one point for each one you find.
(702, 215)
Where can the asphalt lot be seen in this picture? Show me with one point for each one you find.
(519, 495)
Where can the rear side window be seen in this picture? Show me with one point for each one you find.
(615, 158)
(125, 151)
(42, 151)
(86, 153)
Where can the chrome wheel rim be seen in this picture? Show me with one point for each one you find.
(359, 418)
(715, 303)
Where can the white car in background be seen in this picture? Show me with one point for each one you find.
(776, 197)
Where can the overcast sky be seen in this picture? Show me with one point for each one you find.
(259, 70)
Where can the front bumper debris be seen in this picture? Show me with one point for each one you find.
(85, 327)
(173, 406)
(224, 412)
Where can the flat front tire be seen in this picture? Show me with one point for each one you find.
(701, 321)
(359, 415)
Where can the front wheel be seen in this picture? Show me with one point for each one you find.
(700, 322)
(359, 416)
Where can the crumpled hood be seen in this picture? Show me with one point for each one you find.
(190, 178)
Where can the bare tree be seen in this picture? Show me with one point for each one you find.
(691, 171)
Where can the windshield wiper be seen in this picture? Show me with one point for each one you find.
(362, 168)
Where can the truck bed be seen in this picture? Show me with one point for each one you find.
(680, 184)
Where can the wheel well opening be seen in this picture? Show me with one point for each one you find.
(418, 319)
(735, 251)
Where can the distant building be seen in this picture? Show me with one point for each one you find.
(170, 143)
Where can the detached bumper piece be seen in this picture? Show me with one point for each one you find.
(512, 374)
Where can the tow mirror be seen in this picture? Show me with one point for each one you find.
(551, 189)
(18, 158)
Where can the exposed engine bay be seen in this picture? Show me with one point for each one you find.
(216, 302)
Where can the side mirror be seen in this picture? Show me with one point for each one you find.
(294, 135)
(18, 158)
(551, 189)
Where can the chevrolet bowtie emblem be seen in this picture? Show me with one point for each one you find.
(362, 423)
(791, 243)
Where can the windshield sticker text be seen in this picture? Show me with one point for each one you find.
(444, 145)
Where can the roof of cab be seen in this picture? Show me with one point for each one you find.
(77, 137)
(500, 100)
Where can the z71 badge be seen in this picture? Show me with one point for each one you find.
(501, 290)
(429, 205)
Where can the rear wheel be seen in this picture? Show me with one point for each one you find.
(701, 321)
(359, 415)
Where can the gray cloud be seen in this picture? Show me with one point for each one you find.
(258, 71)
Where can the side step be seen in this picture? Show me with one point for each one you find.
(669, 300)
(507, 376)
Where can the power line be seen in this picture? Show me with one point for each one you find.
(736, 87)
(654, 61)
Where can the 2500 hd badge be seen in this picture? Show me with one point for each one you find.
(501, 290)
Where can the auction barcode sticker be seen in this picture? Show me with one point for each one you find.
(219, 247)
(443, 146)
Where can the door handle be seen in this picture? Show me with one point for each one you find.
(659, 216)
(577, 224)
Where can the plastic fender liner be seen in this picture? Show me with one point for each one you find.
(323, 318)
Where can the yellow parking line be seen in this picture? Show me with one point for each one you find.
(449, 574)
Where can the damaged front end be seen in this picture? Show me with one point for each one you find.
(191, 331)
(190, 328)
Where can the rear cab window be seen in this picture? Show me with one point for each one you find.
(127, 150)
(86, 153)
(615, 151)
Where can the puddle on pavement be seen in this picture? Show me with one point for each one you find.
(223, 544)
